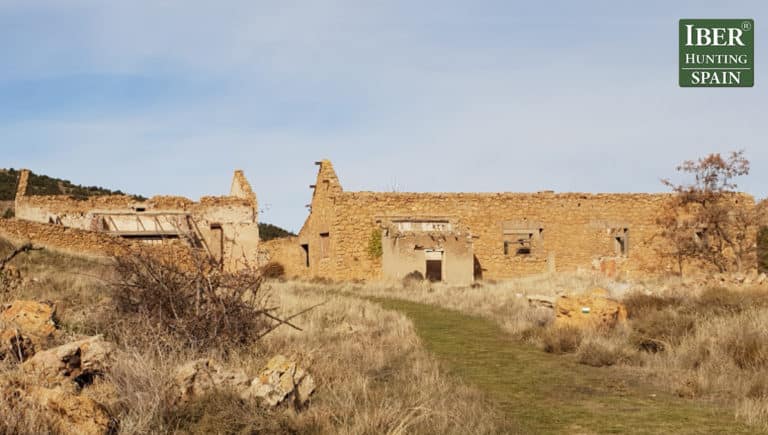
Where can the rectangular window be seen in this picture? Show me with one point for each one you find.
(325, 245)
(306, 253)
(621, 242)
(519, 244)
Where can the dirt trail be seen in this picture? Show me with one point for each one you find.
(542, 393)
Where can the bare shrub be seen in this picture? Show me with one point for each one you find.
(659, 330)
(641, 304)
(561, 339)
(273, 270)
(603, 352)
(724, 301)
(413, 278)
(748, 349)
(197, 305)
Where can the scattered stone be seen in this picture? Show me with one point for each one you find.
(199, 377)
(282, 379)
(77, 361)
(589, 311)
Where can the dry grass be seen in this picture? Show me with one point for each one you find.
(696, 341)
(372, 373)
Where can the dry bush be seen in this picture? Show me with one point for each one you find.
(606, 348)
(412, 279)
(561, 339)
(659, 330)
(597, 354)
(273, 270)
(642, 304)
(198, 305)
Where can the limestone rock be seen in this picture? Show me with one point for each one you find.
(71, 413)
(76, 361)
(201, 376)
(281, 379)
(589, 311)
(61, 407)
(35, 320)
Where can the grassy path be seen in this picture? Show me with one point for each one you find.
(542, 393)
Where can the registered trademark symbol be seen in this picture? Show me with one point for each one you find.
(746, 26)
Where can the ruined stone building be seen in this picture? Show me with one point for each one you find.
(459, 237)
(226, 227)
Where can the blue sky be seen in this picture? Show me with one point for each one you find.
(168, 97)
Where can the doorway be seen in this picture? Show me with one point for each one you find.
(434, 265)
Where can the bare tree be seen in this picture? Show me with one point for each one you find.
(707, 219)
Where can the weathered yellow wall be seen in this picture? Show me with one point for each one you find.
(576, 229)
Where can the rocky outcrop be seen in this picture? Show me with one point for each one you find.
(51, 383)
(25, 327)
(594, 310)
(77, 361)
(34, 319)
(280, 381)
(69, 412)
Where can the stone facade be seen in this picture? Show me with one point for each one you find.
(508, 234)
(226, 227)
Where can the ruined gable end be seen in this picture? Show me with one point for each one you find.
(327, 180)
(241, 188)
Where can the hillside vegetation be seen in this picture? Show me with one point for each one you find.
(45, 185)
(269, 232)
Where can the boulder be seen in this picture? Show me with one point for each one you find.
(281, 379)
(35, 320)
(592, 310)
(77, 361)
(199, 377)
(61, 408)
(69, 412)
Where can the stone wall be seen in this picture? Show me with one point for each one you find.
(226, 226)
(62, 239)
(288, 252)
(613, 233)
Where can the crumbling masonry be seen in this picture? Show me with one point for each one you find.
(226, 227)
(459, 237)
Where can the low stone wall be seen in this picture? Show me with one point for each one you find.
(62, 239)
(288, 252)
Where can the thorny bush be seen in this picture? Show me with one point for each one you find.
(195, 303)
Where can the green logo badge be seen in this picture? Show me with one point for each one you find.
(717, 53)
